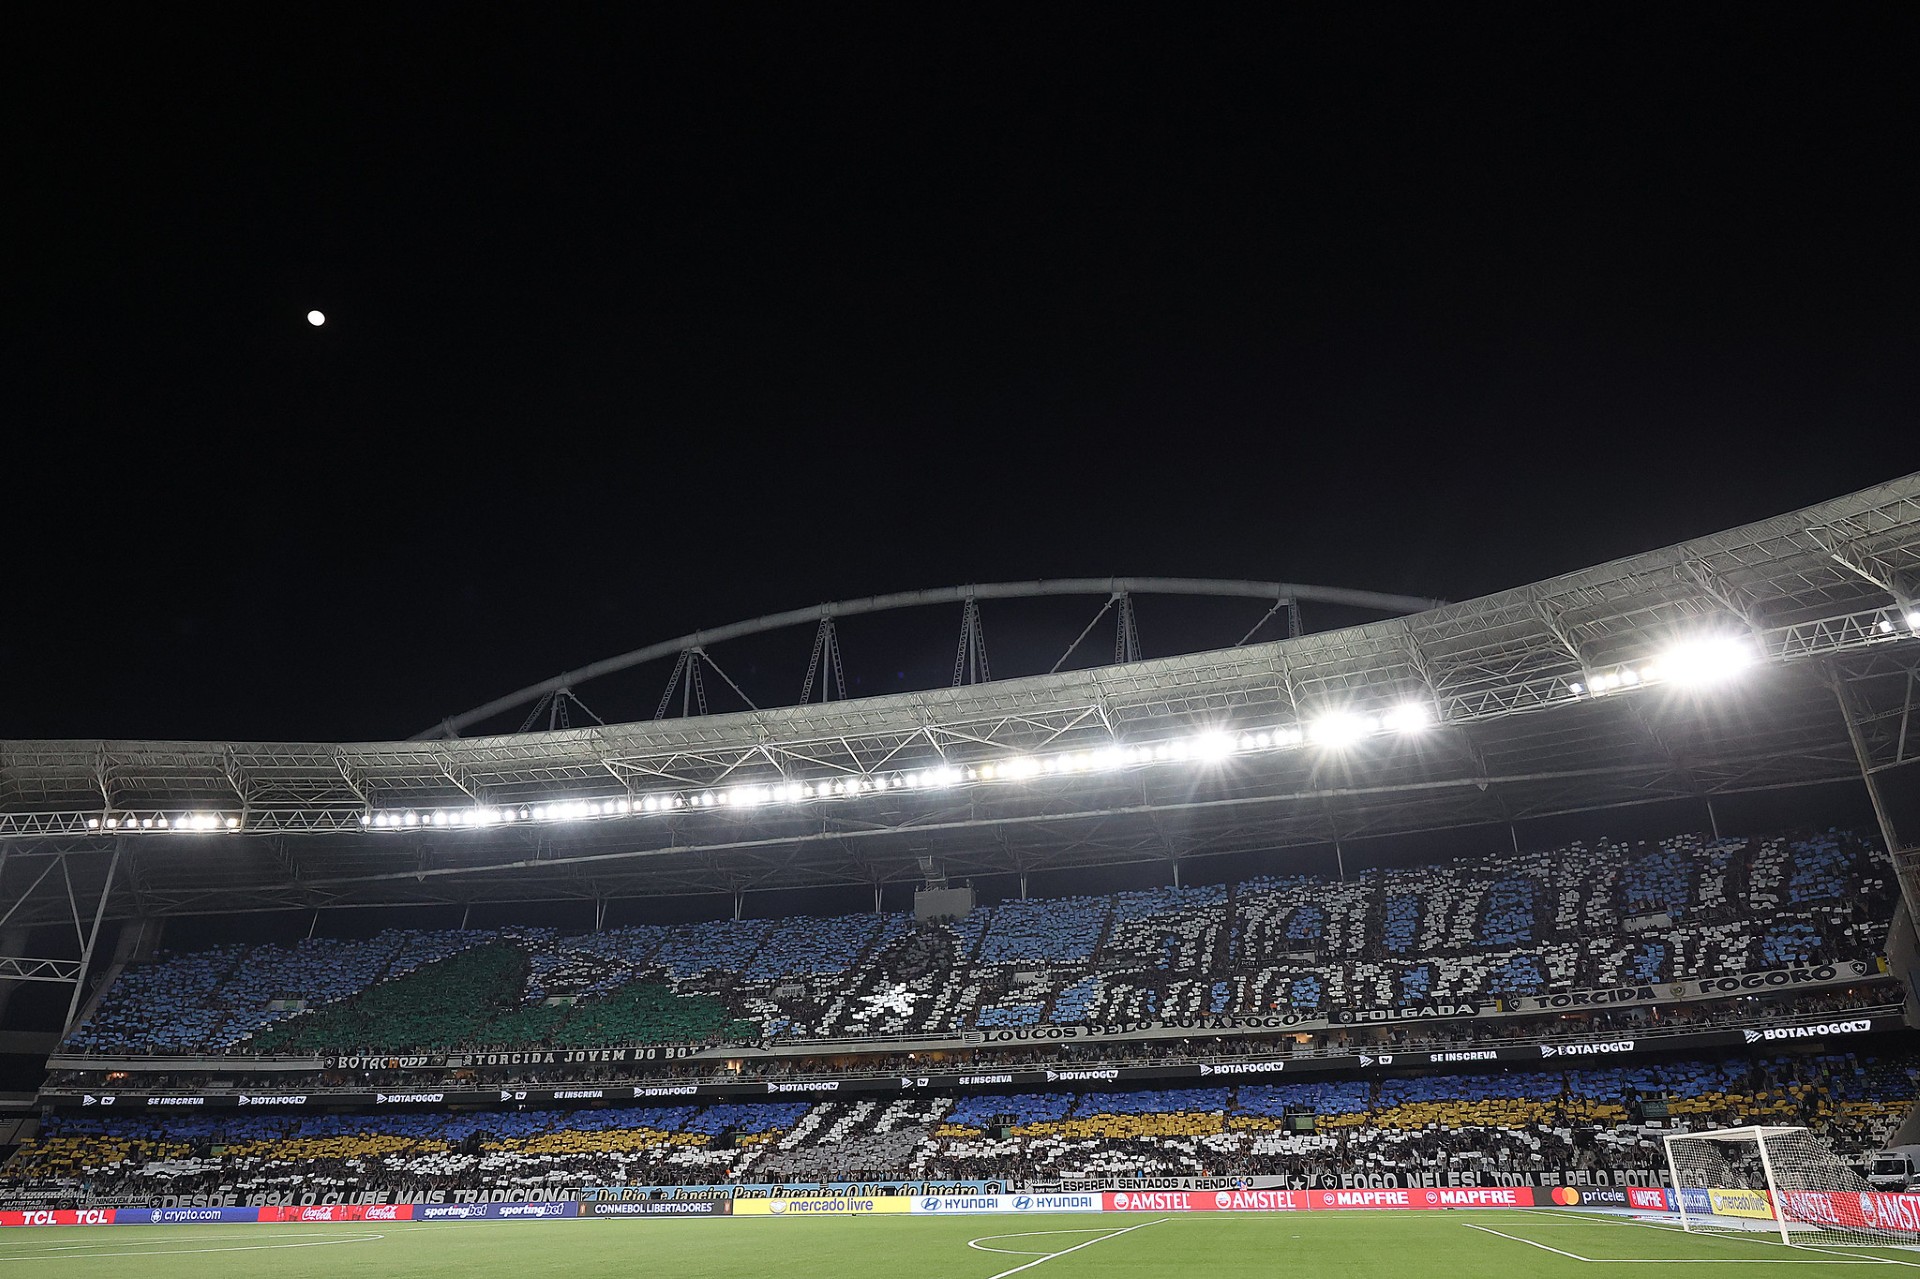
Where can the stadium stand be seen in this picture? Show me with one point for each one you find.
(1464, 1124)
(1577, 917)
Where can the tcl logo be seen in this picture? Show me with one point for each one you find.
(59, 1217)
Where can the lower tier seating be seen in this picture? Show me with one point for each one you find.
(1584, 1118)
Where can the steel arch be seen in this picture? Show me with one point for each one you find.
(1278, 592)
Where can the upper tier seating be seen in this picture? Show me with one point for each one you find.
(1502, 924)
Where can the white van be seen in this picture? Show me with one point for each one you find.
(1895, 1168)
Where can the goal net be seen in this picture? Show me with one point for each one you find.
(1783, 1180)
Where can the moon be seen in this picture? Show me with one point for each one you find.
(316, 318)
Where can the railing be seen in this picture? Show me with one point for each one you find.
(1640, 1033)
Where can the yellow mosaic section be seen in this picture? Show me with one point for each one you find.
(75, 1156)
(605, 1141)
(358, 1145)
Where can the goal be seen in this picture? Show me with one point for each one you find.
(1781, 1179)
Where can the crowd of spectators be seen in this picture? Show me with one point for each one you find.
(1503, 925)
(1454, 1124)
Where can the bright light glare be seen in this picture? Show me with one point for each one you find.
(316, 319)
(1410, 717)
(1706, 661)
(1338, 728)
(1212, 746)
(1913, 620)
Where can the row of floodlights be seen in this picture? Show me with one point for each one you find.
(184, 823)
(1333, 731)
(1697, 663)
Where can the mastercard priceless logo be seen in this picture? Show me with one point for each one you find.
(1565, 1196)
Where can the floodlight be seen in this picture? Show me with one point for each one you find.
(1212, 746)
(1704, 661)
(1913, 620)
(93, 823)
(1409, 717)
(1575, 688)
(1886, 626)
(233, 823)
(1629, 676)
(1338, 728)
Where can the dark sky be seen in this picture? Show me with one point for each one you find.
(643, 327)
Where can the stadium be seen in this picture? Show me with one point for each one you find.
(1568, 925)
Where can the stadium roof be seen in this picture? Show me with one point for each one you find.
(1541, 700)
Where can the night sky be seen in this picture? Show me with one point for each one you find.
(636, 328)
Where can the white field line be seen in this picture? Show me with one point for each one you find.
(70, 1256)
(981, 1242)
(1489, 1230)
(1764, 1235)
(1686, 1261)
(1039, 1261)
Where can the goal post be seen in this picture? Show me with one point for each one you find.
(1779, 1179)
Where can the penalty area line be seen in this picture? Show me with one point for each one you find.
(1682, 1261)
(1076, 1248)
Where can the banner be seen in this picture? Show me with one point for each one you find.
(658, 1208)
(1212, 1024)
(1700, 988)
(339, 1212)
(961, 1205)
(1861, 1210)
(1588, 1197)
(823, 1206)
(1462, 1006)
(492, 1211)
(1310, 1200)
(1068, 1185)
(850, 1189)
(1740, 1203)
(58, 1217)
(1646, 1197)
(175, 1216)
(1570, 1051)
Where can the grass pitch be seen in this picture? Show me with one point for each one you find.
(1360, 1245)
